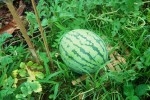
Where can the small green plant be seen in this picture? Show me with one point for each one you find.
(6, 87)
(28, 75)
(5, 61)
(132, 93)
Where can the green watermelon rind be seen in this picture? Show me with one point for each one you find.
(76, 48)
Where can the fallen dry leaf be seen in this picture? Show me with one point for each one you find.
(9, 28)
(12, 26)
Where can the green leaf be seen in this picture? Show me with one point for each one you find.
(8, 82)
(128, 89)
(22, 65)
(39, 67)
(34, 66)
(33, 23)
(148, 15)
(60, 26)
(139, 65)
(39, 75)
(132, 98)
(30, 63)
(4, 60)
(141, 89)
(22, 72)
(116, 27)
(48, 77)
(6, 92)
(36, 86)
(44, 22)
(20, 96)
(4, 36)
(15, 73)
(27, 88)
(45, 59)
(24, 90)
(147, 57)
(53, 96)
(7, 87)
(55, 91)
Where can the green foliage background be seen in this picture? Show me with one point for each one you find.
(122, 23)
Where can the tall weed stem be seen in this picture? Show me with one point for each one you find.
(42, 33)
(22, 29)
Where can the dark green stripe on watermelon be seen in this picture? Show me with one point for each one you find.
(86, 68)
(79, 56)
(93, 46)
(103, 47)
(83, 51)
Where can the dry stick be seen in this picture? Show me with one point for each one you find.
(42, 33)
(78, 80)
(22, 29)
(83, 93)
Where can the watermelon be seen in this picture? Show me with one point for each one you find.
(83, 51)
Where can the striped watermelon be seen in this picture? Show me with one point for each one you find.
(83, 51)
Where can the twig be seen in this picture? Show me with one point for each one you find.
(78, 80)
(22, 29)
(101, 16)
(83, 93)
(42, 33)
(146, 2)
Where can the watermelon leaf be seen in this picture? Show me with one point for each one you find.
(128, 89)
(132, 98)
(141, 89)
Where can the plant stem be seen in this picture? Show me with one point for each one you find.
(42, 34)
(22, 29)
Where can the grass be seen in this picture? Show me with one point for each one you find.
(123, 24)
